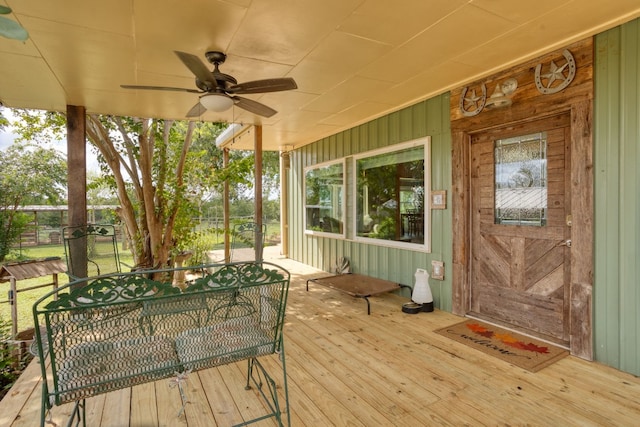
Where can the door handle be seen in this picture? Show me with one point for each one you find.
(566, 243)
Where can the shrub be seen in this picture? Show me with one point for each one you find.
(12, 225)
(10, 365)
(202, 242)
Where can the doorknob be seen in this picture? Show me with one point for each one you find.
(566, 243)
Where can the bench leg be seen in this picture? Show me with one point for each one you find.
(46, 417)
(45, 410)
(79, 406)
(266, 385)
(44, 404)
(284, 382)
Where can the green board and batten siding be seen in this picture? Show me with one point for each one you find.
(427, 118)
(616, 300)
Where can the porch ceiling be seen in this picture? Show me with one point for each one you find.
(353, 60)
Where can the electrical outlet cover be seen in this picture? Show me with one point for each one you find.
(437, 270)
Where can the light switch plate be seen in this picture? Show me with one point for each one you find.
(439, 199)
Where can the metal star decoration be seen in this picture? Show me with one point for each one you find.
(556, 80)
(472, 104)
(555, 73)
(472, 100)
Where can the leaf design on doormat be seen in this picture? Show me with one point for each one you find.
(506, 339)
(480, 330)
(532, 347)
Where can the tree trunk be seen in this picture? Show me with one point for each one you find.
(145, 163)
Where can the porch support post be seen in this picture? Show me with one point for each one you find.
(225, 209)
(258, 190)
(77, 184)
(285, 165)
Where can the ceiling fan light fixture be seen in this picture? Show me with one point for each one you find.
(216, 102)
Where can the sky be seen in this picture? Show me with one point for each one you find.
(7, 138)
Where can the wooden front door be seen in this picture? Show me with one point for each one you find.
(520, 267)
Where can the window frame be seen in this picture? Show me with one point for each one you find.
(425, 142)
(343, 200)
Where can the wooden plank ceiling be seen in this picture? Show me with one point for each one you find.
(353, 60)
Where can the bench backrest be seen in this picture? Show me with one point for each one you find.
(124, 329)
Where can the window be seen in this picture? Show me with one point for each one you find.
(391, 187)
(521, 180)
(324, 198)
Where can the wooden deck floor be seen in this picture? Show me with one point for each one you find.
(349, 369)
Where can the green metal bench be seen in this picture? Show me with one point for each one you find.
(115, 331)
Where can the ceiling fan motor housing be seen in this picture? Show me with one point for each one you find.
(215, 57)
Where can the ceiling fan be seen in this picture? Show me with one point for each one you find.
(220, 90)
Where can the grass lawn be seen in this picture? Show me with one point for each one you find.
(103, 255)
(26, 299)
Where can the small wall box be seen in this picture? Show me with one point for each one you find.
(439, 199)
(437, 270)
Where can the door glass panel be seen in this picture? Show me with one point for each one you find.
(521, 180)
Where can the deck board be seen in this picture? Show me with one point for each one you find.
(198, 410)
(144, 407)
(169, 404)
(349, 369)
(117, 409)
(223, 407)
(21, 394)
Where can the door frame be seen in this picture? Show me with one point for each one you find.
(529, 104)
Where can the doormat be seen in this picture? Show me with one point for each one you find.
(520, 350)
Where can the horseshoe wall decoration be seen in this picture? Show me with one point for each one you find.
(474, 102)
(546, 83)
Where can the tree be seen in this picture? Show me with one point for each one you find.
(19, 185)
(159, 180)
(158, 176)
(240, 173)
(3, 121)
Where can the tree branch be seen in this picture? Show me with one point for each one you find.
(180, 179)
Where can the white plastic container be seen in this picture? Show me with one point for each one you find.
(421, 291)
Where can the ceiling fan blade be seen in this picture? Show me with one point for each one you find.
(198, 68)
(262, 86)
(197, 110)
(253, 106)
(173, 89)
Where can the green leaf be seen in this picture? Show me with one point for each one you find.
(5, 10)
(12, 30)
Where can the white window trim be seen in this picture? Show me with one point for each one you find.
(342, 235)
(426, 246)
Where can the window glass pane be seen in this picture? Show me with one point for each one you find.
(521, 180)
(324, 187)
(390, 192)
